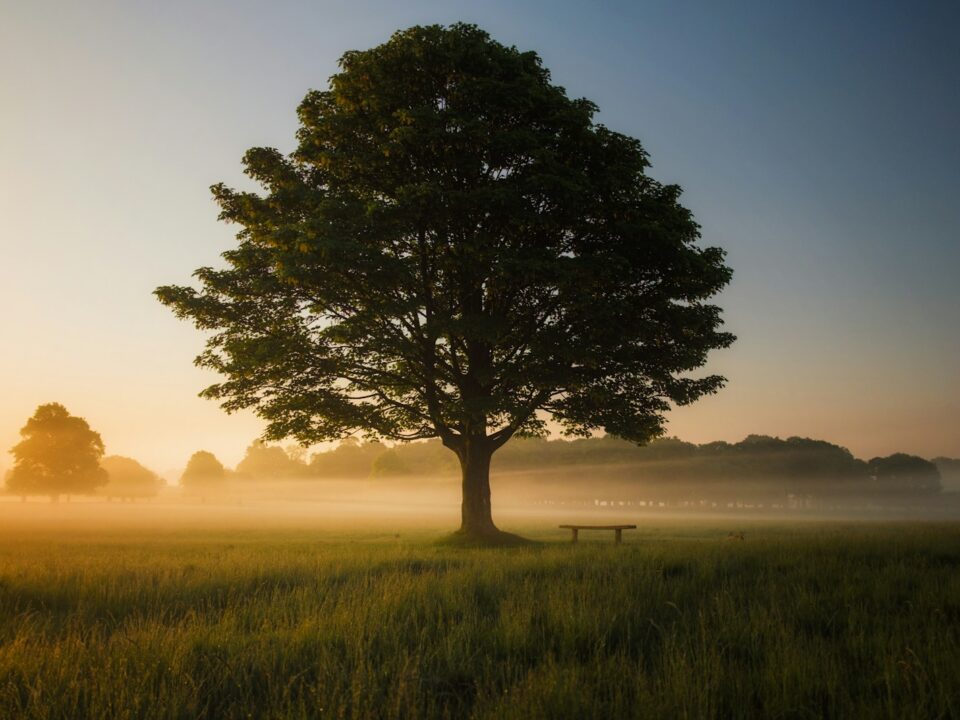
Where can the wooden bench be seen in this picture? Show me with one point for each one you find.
(618, 529)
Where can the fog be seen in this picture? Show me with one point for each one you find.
(392, 509)
(385, 491)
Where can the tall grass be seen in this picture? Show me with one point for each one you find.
(813, 621)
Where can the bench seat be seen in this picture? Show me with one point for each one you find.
(618, 530)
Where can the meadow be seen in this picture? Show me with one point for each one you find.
(301, 619)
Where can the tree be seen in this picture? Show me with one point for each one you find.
(457, 250)
(58, 454)
(389, 463)
(350, 458)
(129, 479)
(269, 461)
(203, 472)
(902, 473)
(949, 472)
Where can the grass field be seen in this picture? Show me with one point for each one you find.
(802, 620)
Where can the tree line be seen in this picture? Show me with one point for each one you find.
(795, 464)
(59, 454)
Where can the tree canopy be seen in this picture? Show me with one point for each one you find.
(59, 454)
(203, 472)
(949, 471)
(770, 466)
(127, 478)
(456, 249)
(907, 472)
(269, 461)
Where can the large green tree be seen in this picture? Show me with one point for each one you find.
(456, 249)
(58, 454)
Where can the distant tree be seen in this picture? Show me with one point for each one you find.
(7, 476)
(949, 472)
(798, 459)
(203, 473)
(269, 461)
(296, 452)
(457, 250)
(129, 479)
(389, 463)
(425, 458)
(668, 448)
(900, 473)
(59, 454)
(350, 458)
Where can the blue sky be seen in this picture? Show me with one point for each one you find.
(816, 142)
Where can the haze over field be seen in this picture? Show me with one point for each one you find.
(532, 360)
(385, 489)
(827, 169)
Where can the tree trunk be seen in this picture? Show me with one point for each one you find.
(476, 519)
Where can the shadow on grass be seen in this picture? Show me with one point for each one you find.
(494, 539)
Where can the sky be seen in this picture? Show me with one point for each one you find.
(816, 143)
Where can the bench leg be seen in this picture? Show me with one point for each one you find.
(619, 536)
(575, 531)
